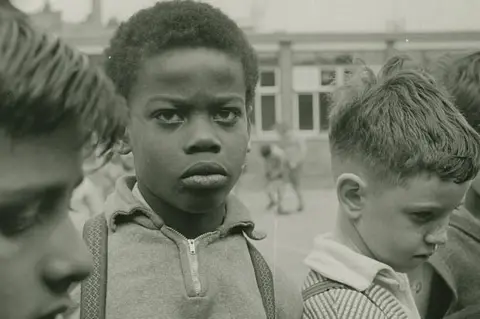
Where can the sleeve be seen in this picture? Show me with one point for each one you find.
(341, 304)
(319, 307)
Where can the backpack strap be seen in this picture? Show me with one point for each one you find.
(264, 277)
(321, 287)
(94, 288)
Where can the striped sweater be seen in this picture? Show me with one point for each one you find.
(347, 303)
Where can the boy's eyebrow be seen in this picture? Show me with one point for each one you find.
(184, 100)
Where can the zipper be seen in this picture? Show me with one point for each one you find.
(193, 258)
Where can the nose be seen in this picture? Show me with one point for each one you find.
(202, 137)
(438, 236)
(69, 261)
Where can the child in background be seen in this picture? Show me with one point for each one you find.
(275, 172)
(402, 157)
(179, 245)
(295, 150)
(450, 281)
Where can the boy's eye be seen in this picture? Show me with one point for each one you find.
(227, 116)
(423, 217)
(169, 117)
(16, 219)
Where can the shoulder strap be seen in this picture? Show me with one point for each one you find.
(94, 288)
(321, 287)
(264, 277)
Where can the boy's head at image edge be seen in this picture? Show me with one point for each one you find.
(55, 109)
(189, 75)
(460, 74)
(402, 156)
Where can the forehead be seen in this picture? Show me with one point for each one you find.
(428, 192)
(190, 71)
(36, 162)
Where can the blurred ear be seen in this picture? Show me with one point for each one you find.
(351, 194)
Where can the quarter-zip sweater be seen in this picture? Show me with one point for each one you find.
(155, 272)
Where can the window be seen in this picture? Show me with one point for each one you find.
(314, 86)
(268, 112)
(267, 107)
(305, 112)
(267, 78)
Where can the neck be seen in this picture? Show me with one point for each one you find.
(350, 236)
(472, 202)
(190, 225)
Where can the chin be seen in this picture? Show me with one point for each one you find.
(203, 203)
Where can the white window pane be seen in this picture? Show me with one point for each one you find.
(306, 78)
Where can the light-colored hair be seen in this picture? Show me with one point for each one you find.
(400, 124)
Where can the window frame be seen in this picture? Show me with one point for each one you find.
(339, 78)
(268, 91)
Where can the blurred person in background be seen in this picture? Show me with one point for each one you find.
(295, 150)
(275, 172)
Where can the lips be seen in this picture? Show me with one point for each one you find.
(424, 256)
(205, 175)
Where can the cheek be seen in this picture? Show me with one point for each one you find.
(18, 271)
(235, 150)
(8, 249)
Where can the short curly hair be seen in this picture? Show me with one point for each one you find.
(177, 24)
(45, 83)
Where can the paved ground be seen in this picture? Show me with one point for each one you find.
(290, 237)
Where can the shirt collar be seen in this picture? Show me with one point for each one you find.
(127, 203)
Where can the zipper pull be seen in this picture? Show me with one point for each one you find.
(191, 246)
